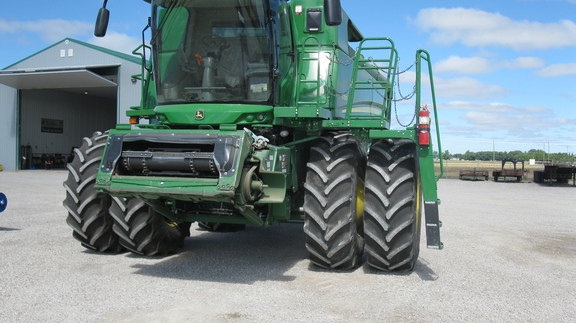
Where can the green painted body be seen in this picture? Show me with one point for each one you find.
(217, 86)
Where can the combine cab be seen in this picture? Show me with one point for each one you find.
(259, 112)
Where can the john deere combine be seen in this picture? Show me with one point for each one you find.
(256, 112)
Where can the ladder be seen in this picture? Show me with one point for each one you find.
(377, 75)
(310, 75)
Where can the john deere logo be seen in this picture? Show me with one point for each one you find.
(199, 115)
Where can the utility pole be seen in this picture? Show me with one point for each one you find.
(493, 149)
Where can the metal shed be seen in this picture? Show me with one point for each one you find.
(51, 99)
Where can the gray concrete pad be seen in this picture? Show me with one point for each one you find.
(510, 255)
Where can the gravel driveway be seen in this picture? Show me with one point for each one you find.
(510, 255)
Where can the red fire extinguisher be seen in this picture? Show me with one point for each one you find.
(424, 127)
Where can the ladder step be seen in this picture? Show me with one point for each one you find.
(374, 68)
(382, 85)
(370, 88)
(374, 48)
(374, 60)
(372, 82)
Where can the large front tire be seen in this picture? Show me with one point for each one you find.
(330, 201)
(392, 206)
(87, 207)
(144, 231)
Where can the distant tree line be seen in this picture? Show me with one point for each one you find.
(537, 154)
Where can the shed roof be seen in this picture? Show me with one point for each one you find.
(123, 56)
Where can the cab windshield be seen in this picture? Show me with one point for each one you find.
(212, 51)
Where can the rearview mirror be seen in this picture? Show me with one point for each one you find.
(101, 22)
(332, 12)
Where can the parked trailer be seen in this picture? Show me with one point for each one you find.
(509, 172)
(558, 173)
(474, 174)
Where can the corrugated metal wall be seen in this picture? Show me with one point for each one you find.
(80, 115)
(8, 127)
(128, 91)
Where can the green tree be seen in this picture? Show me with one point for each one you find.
(516, 154)
(468, 155)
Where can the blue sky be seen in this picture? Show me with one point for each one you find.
(505, 71)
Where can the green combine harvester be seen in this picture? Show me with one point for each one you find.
(257, 112)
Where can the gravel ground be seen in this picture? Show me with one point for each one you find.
(510, 255)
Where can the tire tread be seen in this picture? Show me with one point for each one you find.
(330, 202)
(391, 228)
(87, 208)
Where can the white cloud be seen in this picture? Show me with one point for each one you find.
(523, 63)
(409, 77)
(477, 28)
(558, 70)
(467, 88)
(480, 65)
(513, 122)
(478, 106)
(496, 116)
(49, 30)
(463, 88)
(564, 121)
(117, 41)
(497, 107)
(464, 65)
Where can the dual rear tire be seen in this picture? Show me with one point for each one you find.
(330, 199)
(392, 206)
(389, 228)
